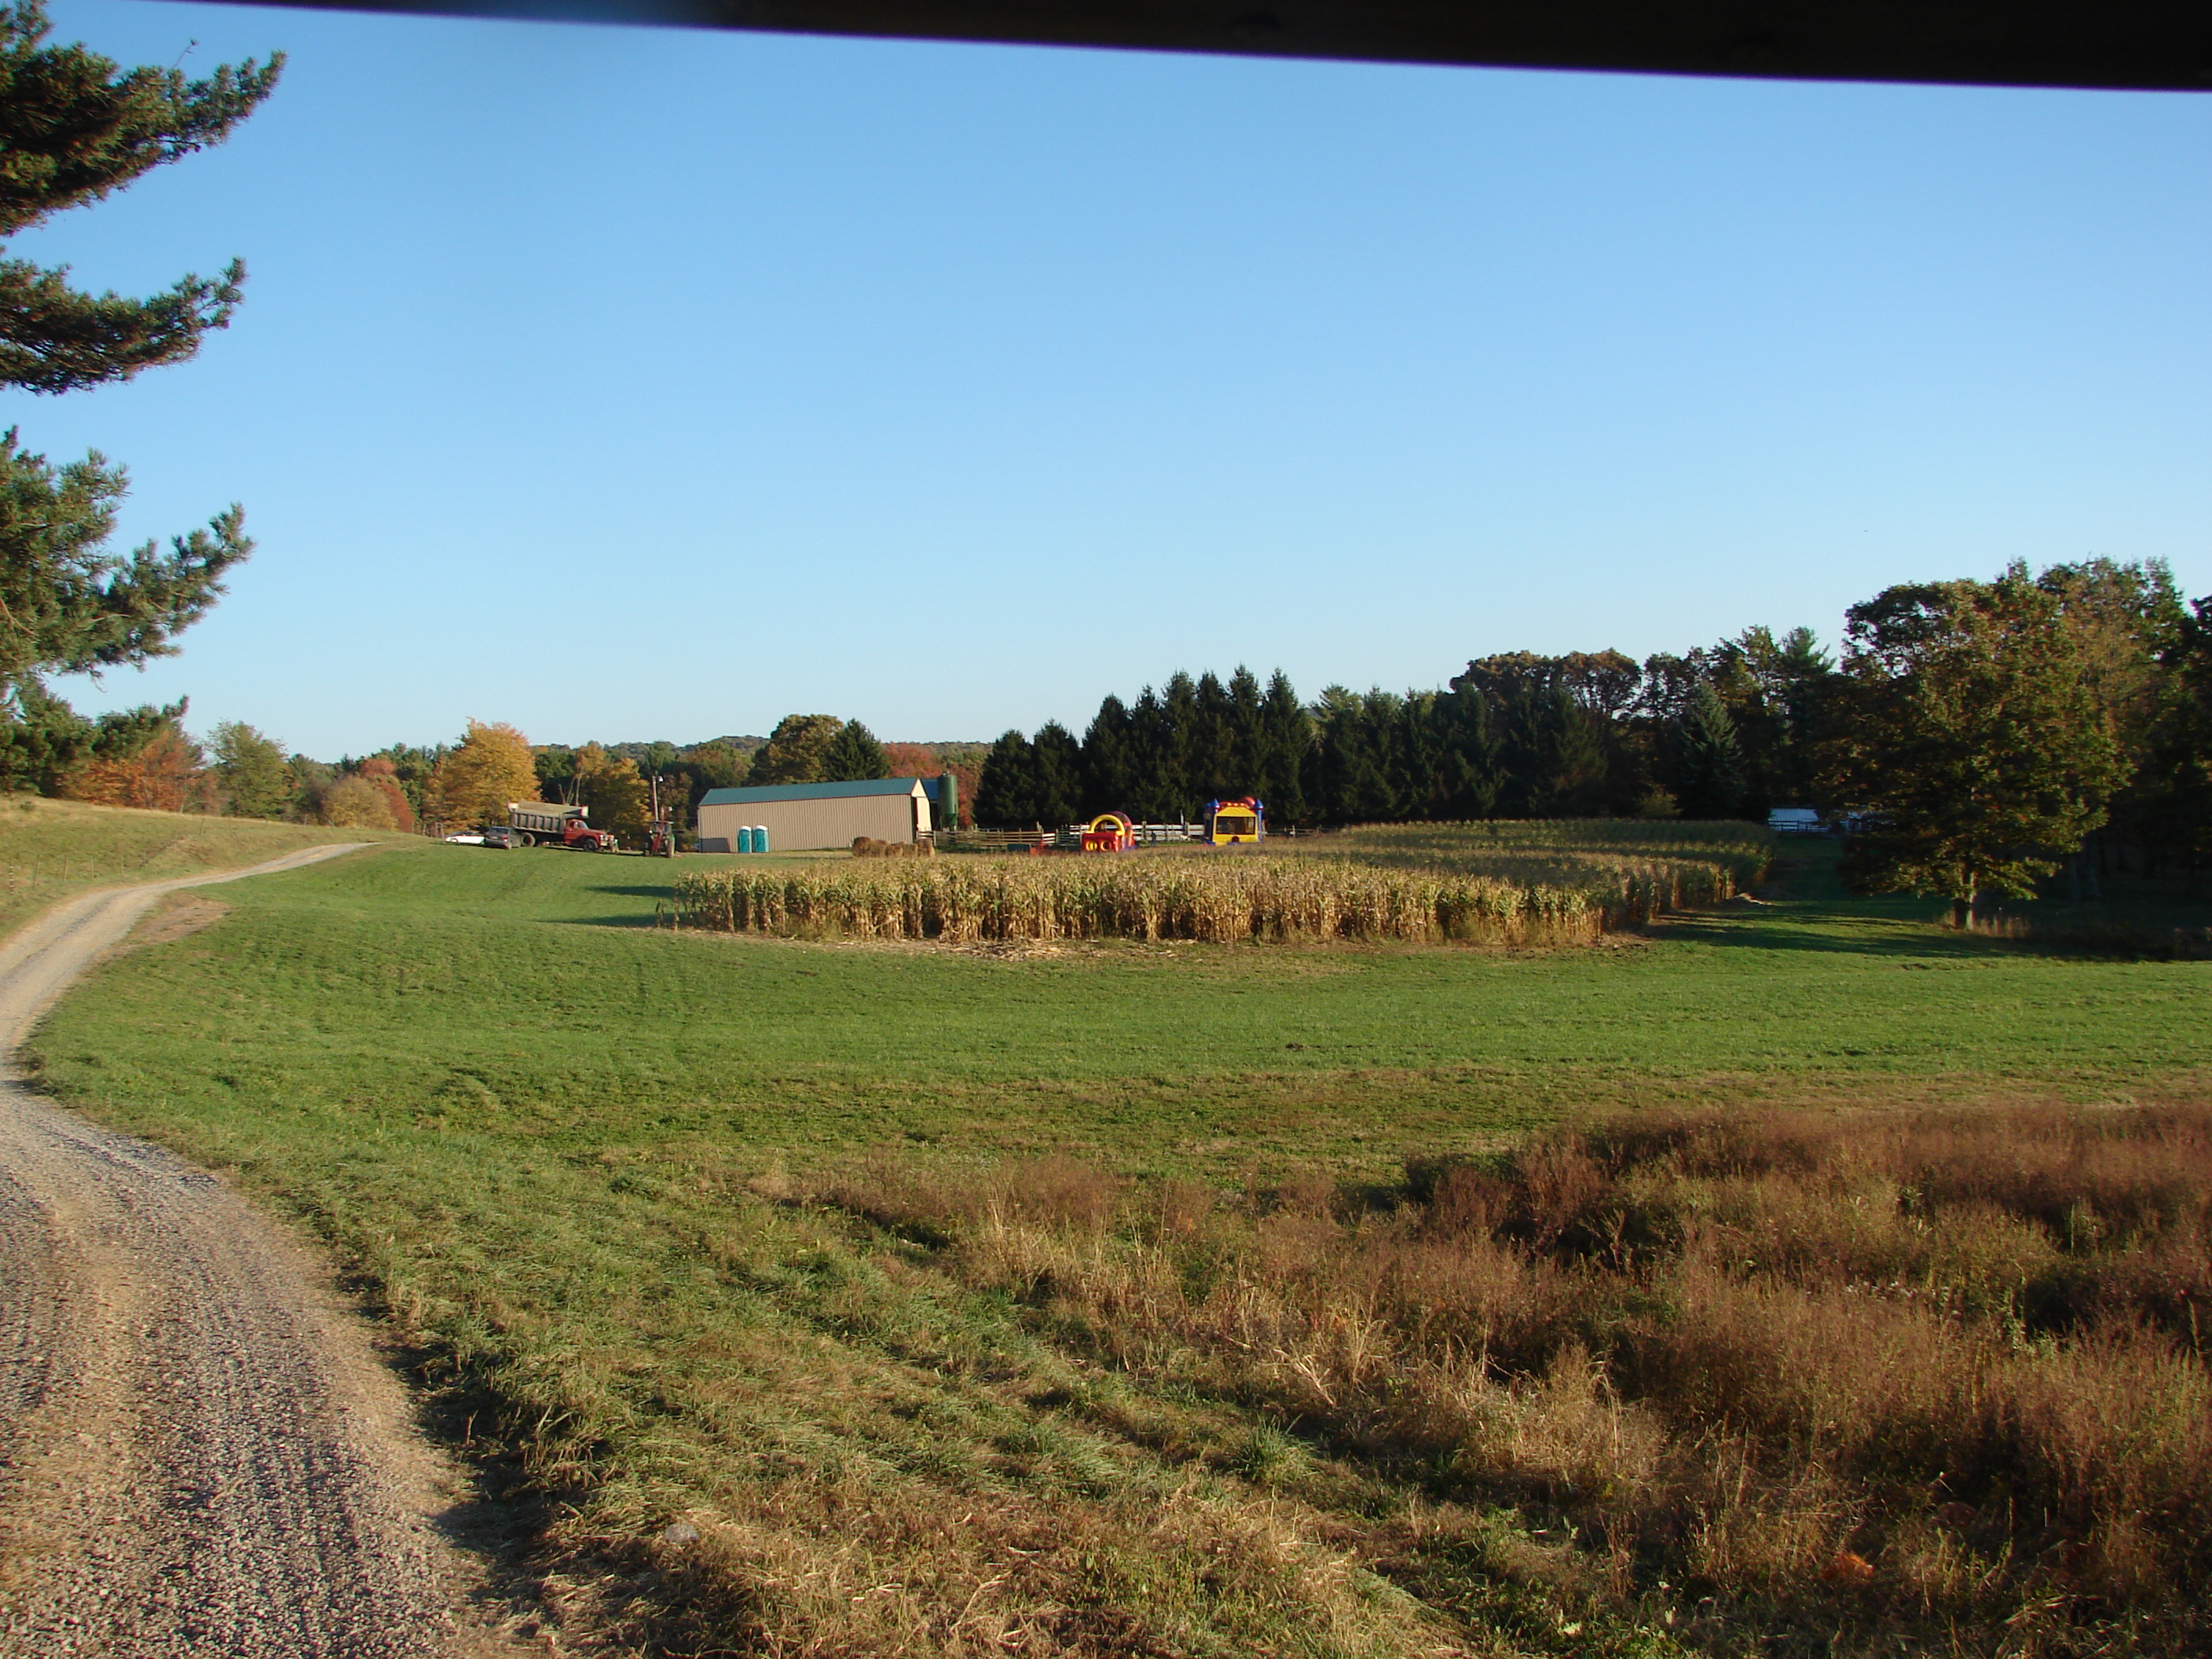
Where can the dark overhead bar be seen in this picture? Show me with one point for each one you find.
(2145, 45)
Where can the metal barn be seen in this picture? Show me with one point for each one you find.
(801, 816)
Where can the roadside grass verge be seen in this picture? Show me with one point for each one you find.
(629, 1194)
(51, 850)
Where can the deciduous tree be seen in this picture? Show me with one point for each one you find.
(257, 783)
(1973, 730)
(353, 802)
(610, 789)
(490, 767)
(381, 774)
(166, 773)
(797, 751)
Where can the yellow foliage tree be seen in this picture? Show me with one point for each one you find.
(609, 785)
(355, 803)
(475, 781)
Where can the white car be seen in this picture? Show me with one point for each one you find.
(466, 840)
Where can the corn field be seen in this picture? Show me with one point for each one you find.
(1214, 898)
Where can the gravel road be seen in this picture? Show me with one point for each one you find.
(199, 1452)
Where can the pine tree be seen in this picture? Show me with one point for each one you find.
(72, 129)
(1709, 763)
(1156, 761)
(1006, 794)
(1110, 761)
(1175, 760)
(1286, 736)
(1350, 786)
(73, 604)
(1056, 768)
(1464, 724)
(855, 755)
(1211, 746)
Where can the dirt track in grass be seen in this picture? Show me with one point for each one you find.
(199, 1453)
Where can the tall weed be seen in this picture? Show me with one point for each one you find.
(1942, 1373)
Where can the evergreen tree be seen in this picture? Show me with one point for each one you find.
(1286, 737)
(1211, 759)
(256, 782)
(1155, 762)
(555, 765)
(1422, 773)
(855, 755)
(1554, 761)
(1110, 781)
(73, 604)
(1709, 767)
(1006, 793)
(1475, 773)
(1248, 767)
(73, 130)
(1056, 774)
(1350, 786)
(1177, 762)
(44, 742)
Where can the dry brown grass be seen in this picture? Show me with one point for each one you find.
(1941, 1373)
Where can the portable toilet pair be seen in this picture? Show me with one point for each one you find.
(752, 838)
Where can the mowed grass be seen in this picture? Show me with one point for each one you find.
(52, 849)
(575, 1157)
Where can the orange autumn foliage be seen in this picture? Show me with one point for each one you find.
(167, 776)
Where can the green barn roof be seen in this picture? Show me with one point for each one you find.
(809, 792)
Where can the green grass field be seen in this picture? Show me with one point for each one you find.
(52, 849)
(561, 1144)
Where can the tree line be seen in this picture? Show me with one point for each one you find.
(1715, 733)
(1981, 730)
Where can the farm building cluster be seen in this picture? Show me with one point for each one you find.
(799, 817)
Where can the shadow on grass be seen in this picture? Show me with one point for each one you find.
(1879, 929)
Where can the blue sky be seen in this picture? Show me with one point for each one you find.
(634, 383)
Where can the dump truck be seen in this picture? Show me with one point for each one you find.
(546, 824)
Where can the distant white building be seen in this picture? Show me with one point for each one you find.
(1794, 821)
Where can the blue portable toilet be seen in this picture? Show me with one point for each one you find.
(744, 838)
(759, 838)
